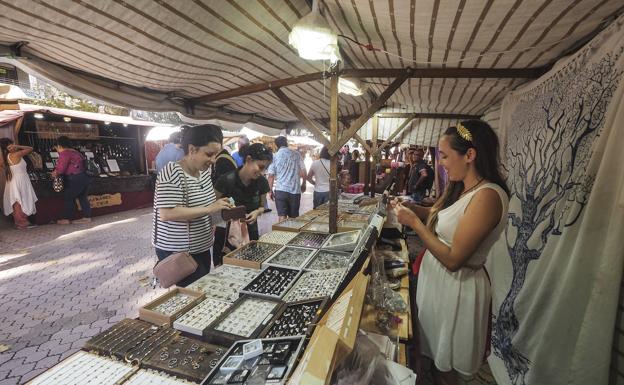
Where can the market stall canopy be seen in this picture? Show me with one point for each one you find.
(205, 58)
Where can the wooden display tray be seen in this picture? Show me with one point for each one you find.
(218, 337)
(287, 288)
(146, 314)
(229, 259)
(313, 322)
(277, 226)
(269, 261)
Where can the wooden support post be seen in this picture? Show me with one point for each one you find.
(374, 107)
(310, 125)
(375, 156)
(333, 176)
(362, 142)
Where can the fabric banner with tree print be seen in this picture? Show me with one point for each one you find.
(556, 270)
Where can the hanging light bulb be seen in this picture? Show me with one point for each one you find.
(66, 119)
(313, 38)
(351, 86)
(38, 115)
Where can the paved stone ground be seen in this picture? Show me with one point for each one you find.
(61, 285)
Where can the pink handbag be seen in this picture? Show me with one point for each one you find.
(177, 266)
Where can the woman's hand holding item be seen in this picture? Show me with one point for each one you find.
(252, 217)
(406, 217)
(218, 205)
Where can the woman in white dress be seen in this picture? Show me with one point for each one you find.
(19, 195)
(453, 293)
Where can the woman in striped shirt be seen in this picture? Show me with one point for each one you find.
(185, 200)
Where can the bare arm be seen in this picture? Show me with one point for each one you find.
(421, 211)
(310, 176)
(479, 219)
(180, 213)
(271, 179)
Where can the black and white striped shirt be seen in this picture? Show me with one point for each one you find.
(170, 193)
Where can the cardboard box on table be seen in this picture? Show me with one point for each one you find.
(334, 337)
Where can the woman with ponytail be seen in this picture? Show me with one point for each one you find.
(454, 293)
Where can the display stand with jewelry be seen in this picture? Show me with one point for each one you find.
(290, 257)
(168, 307)
(273, 282)
(219, 287)
(237, 273)
(295, 319)
(308, 239)
(246, 318)
(185, 357)
(346, 241)
(251, 255)
(273, 366)
(199, 318)
(278, 237)
(86, 368)
(312, 284)
(153, 377)
(329, 259)
(289, 225)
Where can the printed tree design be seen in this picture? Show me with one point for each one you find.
(549, 147)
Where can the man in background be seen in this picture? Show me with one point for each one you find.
(421, 176)
(243, 141)
(171, 152)
(289, 171)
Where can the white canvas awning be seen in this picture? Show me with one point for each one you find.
(163, 55)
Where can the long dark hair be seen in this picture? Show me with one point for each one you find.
(325, 153)
(487, 162)
(4, 148)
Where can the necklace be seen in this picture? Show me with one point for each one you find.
(472, 188)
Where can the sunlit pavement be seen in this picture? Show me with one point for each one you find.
(61, 285)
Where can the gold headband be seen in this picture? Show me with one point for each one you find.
(464, 132)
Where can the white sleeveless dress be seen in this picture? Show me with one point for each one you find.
(19, 189)
(453, 307)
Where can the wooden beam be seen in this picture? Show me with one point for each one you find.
(374, 154)
(395, 133)
(359, 122)
(310, 125)
(333, 172)
(427, 115)
(428, 73)
(496, 73)
(362, 142)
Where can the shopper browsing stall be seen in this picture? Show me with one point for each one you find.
(289, 173)
(247, 185)
(171, 152)
(319, 177)
(19, 195)
(223, 165)
(454, 293)
(185, 199)
(72, 167)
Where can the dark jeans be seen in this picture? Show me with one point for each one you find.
(76, 186)
(203, 265)
(287, 204)
(319, 198)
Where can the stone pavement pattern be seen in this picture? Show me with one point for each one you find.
(61, 285)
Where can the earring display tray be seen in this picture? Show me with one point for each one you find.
(274, 366)
(85, 368)
(129, 339)
(236, 273)
(245, 319)
(317, 227)
(289, 225)
(152, 377)
(295, 319)
(273, 282)
(220, 287)
(313, 284)
(290, 257)
(199, 318)
(278, 237)
(186, 358)
(251, 255)
(313, 240)
(346, 241)
(169, 306)
(328, 260)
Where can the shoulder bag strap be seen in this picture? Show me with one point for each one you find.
(185, 194)
(228, 157)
